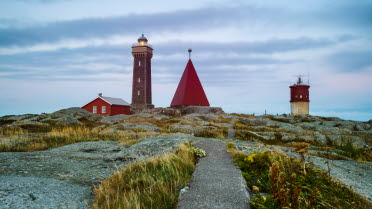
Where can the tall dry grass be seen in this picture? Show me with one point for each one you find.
(19, 140)
(154, 183)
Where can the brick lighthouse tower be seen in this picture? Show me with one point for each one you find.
(300, 97)
(141, 89)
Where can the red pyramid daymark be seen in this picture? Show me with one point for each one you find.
(190, 91)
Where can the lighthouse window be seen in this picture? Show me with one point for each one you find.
(138, 93)
(94, 109)
(139, 63)
(103, 109)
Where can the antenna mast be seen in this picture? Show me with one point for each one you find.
(308, 78)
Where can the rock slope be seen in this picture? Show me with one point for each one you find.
(72, 170)
(63, 177)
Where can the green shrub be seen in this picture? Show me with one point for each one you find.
(230, 145)
(198, 153)
(288, 186)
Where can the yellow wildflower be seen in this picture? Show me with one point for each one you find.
(250, 158)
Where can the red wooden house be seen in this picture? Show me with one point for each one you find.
(108, 106)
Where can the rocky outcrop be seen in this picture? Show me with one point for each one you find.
(114, 119)
(63, 177)
(201, 110)
(188, 129)
(314, 129)
(143, 126)
(175, 112)
(255, 121)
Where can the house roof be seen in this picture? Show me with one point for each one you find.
(111, 101)
(190, 91)
(115, 101)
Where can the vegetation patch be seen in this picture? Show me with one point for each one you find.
(154, 183)
(244, 115)
(239, 125)
(360, 155)
(248, 136)
(223, 120)
(279, 181)
(344, 152)
(220, 132)
(16, 139)
(211, 133)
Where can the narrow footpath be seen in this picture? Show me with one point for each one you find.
(231, 131)
(216, 183)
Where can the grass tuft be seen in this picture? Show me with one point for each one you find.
(20, 140)
(154, 183)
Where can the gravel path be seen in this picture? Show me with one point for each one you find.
(216, 182)
(231, 131)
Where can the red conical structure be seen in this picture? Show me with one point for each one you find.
(190, 91)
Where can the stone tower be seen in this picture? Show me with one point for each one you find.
(141, 89)
(300, 98)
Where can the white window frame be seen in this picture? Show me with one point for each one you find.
(139, 62)
(103, 109)
(94, 109)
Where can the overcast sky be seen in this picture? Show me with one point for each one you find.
(57, 54)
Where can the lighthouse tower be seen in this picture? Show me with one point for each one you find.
(141, 89)
(300, 97)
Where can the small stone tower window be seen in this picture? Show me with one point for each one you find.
(139, 93)
(139, 80)
(139, 63)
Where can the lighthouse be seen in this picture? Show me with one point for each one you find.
(300, 97)
(141, 88)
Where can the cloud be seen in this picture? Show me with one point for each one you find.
(246, 54)
(348, 13)
(130, 24)
(352, 60)
(113, 56)
(172, 46)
